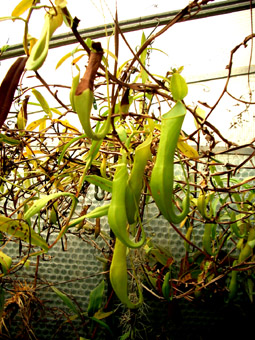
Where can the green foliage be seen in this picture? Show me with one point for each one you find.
(67, 301)
(96, 298)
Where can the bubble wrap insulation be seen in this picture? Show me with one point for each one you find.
(76, 271)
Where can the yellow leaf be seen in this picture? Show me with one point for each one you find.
(5, 262)
(22, 7)
(122, 67)
(110, 54)
(58, 185)
(186, 149)
(21, 230)
(21, 119)
(102, 315)
(60, 62)
(42, 101)
(32, 42)
(42, 126)
(30, 154)
(201, 114)
(183, 222)
(77, 59)
(66, 124)
(35, 124)
(103, 166)
(61, 3)
(29, 151)
(68, 55)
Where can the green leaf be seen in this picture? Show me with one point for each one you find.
(96, 298)
(214, 204)
(67, 301)
(8, 140)
(67, 146)
(4, 48)
(40, 203)
(12, 18)
(6, 262)
(102, 324)
(54, 110)
(101, 182)
(42, 101)
(144, 74)
(166, 288)
(21, 230)
(125, 335)
(217, 178)
(251, 243)
(159, 254)
(250, 289)
(122, 133)
(97, 212)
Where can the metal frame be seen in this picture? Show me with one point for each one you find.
(135, 24)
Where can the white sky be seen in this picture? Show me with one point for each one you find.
(93, 13)
(202, 46)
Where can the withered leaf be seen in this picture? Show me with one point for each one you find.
(8, 87)
(87, 81)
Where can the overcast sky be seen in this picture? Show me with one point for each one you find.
(94, 12)
(202, 46)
